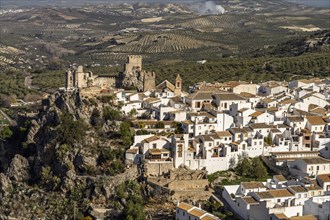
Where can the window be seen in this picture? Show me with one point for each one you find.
(178, 211)
(189, 218)
(183, 213)
(165, 155)
(238, 204)
(317, 167)
(278, 200)
(154, 146)
(210, 144)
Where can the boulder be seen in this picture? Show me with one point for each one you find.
(19, 169)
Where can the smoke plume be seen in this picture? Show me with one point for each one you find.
(208, 7)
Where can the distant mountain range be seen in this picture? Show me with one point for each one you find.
(74, 3)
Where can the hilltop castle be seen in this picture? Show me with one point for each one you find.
(77, 78)
(135, 77)
(132, 77)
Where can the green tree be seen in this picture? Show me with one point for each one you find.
(111, 114)
(259, 169)
(125, 132)
(244, 166)
(134, 211)
(6, 133)
(71, 131)
(132, 113)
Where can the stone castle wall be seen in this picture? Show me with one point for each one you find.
(102, 81)
(157, 169)
(188, 184)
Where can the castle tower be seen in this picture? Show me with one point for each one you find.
(178, 85)
(149, 81)
(134, 63)
(69, 81)
(80, 78)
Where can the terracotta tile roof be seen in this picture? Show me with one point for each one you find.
(247, 95)
(158, 151)
(209, 217)
(280, 178)
(250, 200)
(275, 130)
(324, 177)
(165, 85)
(280, 193)
(295, 118)
(315, 120)
(176, 99)
(260, 125)
(201, 96)
(152, 99)
(267, 100)
(132, 151)
(272, 109)
(256, 114)
(298, 189)
(316, 160)
(197, 212)
(241, 130)
(318, 110)
(313, 187)
(304, 217)
(280, 216)
(275, 194)
(229, 96)
(155, 151)
(224, 134)
(243, 110)
(151, 139)
(288, 101)
(253, 185)
(185, 206)
(264, 195)
(187, 122)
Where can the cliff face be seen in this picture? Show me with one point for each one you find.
(64, 161)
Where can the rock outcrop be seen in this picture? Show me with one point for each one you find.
(19, 169)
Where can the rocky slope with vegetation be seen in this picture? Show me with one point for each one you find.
(69, 159)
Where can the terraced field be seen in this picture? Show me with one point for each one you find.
(162, 43)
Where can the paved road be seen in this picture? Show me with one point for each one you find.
(11, 121)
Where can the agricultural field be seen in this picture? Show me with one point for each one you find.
(169, 36)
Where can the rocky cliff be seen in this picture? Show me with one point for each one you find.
(65, 163)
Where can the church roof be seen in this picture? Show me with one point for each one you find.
(166, 85)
